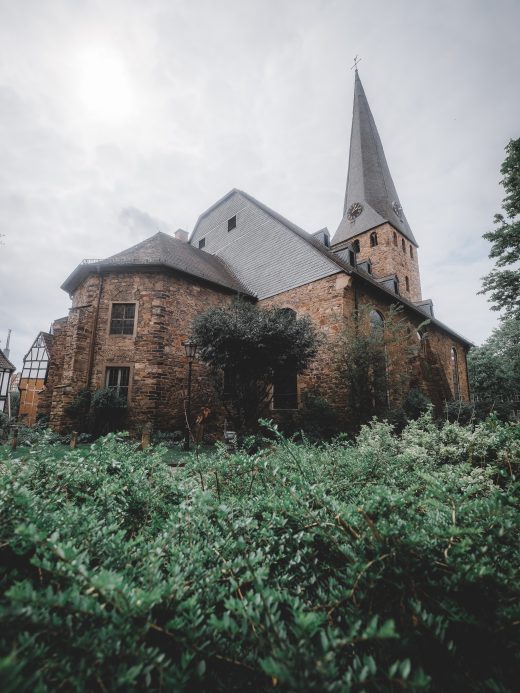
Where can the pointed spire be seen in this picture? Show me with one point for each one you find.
(371, 198)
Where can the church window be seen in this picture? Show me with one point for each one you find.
(355, 246)
(373, 239)
(122, 319)
(403, 245)
(377, 323)
(232, 223)
(455, 373)
(407, 282)
(411, 252)
(395, 238)
(202, 243)
(118, 379)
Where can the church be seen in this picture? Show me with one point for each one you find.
(131, 312)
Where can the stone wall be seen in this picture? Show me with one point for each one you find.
(388, 257)
(166, 304)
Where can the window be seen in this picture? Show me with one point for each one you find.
(122, 318)
(202, 243)
(395, 238)
(377, 323)
(411, 252)
(407, 282)
(396, 286)
(352, 258)
(118, 378)
(285, 387)
(355, 246)
(403, 245)
(373, 239)
(455, 373)
(232, 223)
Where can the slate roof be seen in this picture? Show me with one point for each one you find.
(369, 181)
(162, 250)
(5, 364)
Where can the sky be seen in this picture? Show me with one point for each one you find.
(121, 118)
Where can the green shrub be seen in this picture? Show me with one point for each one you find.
(385, 564)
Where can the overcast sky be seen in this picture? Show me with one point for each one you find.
(118, 118)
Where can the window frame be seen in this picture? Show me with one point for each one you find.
(373, 239)
(118, 335)
(202, 243)
(120, 366)
(232, 223)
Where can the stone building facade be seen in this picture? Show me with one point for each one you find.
(131, 312)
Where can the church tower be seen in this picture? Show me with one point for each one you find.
(374, 224)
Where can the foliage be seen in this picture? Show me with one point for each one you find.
(249, 345)
(377, 364)
(107, 411)
(503, 285)
(494, 367)
(319, 420)
(79, 410)
(388, 564)
(416, 404)
(14, 396)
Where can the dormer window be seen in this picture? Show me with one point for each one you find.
(202, 243)
(232, 223)
(373, 239)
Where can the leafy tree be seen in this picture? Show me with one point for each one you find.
(503, 285)
(376, 361)
(245, 346)
(494, 367)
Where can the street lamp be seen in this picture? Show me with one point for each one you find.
(190, 347)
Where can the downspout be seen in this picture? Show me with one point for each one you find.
(94, 330)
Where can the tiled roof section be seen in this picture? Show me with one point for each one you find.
(369, 182)
(163, 250)
(5, 364)
(269, 253)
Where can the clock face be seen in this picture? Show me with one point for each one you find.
(354, 211)
(398, 210)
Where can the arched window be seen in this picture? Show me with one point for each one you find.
(411, 252)
(455, 373)
(395, 238)
(407, 282)
(355, 246)
(403, 245)
(377, 322)
(373, 239)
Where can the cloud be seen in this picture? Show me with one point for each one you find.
(255, 95)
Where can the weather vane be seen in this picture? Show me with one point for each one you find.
(356, 61)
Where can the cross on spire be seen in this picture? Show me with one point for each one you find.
(356, 61)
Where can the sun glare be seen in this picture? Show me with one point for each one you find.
(104, 83)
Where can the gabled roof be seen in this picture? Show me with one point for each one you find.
(5, 364)
(162, 250)
(369, 182)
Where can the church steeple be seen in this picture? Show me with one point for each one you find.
(371, 198)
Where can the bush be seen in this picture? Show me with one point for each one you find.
(388, 564)
(416, 404)
(107, 411)
(319, 420)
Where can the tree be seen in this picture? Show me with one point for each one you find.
(494, 367)
(245, 348)
(503, 285)
(375, 358)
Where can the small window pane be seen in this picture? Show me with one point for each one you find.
(202, 243)
(123, 318)
(232, 223)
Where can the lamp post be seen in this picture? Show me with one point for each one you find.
(190, 348)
